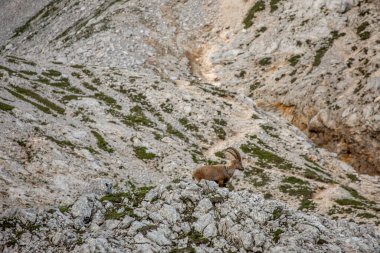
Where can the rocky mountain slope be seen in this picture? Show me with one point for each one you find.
(315, 62)
(98, 94)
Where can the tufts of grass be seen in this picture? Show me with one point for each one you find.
(137, 117)
(197, 238)
(323, 49)
(294, 180)
(108, 100)
(220, 154)
(171, 130)
(277, 234)
(219, 131)
(51, 73)
(89, 86)
(366, 215)
(38, 106)
(350, 202)
(274, 5)
(294, 60)
(307, 204)
(352, 177)
(269, 131)
(266, 159)
(191, 127)
(220, 122)
(68, 98)
(360, 31)
(255, 86)
(310, 174)
(28, 72)
(259, 177)
(6, 107)
(101, 142)
(167, 107)
(265, 61)
(257, 7)
(277, 213)
(39, 99)
(140, 152)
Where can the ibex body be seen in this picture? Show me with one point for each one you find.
(221, 174)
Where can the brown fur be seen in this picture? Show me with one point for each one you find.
(220, 174)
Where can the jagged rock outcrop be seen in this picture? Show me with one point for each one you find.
(180, 217)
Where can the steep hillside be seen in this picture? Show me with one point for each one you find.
(314, 62)
(98, 94)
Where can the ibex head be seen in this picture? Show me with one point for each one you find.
(237, 163)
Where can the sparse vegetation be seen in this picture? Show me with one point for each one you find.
(274, 5)
(325, 47)
(141, 153)
(266, 158)
(101, 142)
(171, 130)
(352, 177)
(294, 60)
(277, 234)
(6, 107)
(360, 31)
(259, 177)
(137, 117)
(257, 7)
(108, 100)
(185, 122)
(265, 61)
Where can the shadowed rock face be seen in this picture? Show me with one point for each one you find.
(358, 145)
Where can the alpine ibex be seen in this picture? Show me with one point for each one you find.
(220, 174)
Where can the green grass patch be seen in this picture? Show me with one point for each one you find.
(367, 215)
(167, 107)
(197, 238)
(219, 131)
(38, 106)
(6, 107)
(89, 86)
(191, 127)
(220, 154)
(265, 61)
(257, 7)
(101, 142)
(172, 131)
(352, 177)
(40, 99)
(266, 159)
(274, 5)
(277, 213)
(294, 180)
(307, 204)
(220, 122)
(350, 202)
(137, 117)
(269, 130)
(277, 235)
(140, 152)
(108, 100)
(257, 176)
(360, 31)
(294, 60)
